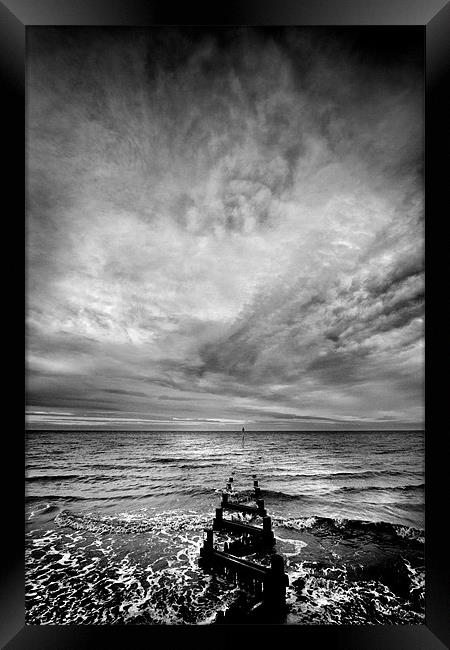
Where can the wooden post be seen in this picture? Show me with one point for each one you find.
(225, 496)
(261, 510)
(275, 585)
(277, 563)
(267, 524)
(208, 543)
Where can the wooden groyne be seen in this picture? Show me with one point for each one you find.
(241, 507)
(265, 533)
(265, 585)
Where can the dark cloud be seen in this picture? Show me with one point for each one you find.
(117, 391)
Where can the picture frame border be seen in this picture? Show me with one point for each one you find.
(434, 17)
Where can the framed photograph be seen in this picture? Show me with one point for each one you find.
(227, 226)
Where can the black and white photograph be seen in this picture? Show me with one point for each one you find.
(225, 259)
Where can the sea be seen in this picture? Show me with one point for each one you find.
(115, 521)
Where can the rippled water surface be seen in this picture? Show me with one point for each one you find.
(115, 521)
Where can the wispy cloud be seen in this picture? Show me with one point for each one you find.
(231, 233)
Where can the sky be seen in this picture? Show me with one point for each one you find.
(225, 228)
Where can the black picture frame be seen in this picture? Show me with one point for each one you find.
(434, 17)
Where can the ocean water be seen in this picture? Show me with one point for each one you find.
(115, 521)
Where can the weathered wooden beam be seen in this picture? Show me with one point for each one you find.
(273, 579)
(238, 564)
(251, 545)
(240, 507)
(237, 527)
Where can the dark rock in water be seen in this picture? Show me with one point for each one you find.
(160, 564)
(396, 577)
(37, 554)
(299, 585)
(55, 556)
(391, 572)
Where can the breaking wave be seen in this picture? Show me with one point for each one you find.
(141, 567)
(352, 525)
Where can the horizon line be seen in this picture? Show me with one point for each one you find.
(198, 430)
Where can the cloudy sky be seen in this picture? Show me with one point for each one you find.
(225, 229)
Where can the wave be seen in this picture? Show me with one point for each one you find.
(205, 465)
(168, 491)
(175, 521)
(279, 473)
(88, 478)
(283, 496)
(54, 497)
(44, 513)
(410, 533)
(379, 488)
(49, 477)
(132, 523)
(378, 528)
(167, 459)
(107, 466)
(314, 498)
(69, 498)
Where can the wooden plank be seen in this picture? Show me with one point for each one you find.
(231, 505)
(242, 528)
(245, 566)
(257, 508)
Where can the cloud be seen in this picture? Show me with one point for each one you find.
(225, 227)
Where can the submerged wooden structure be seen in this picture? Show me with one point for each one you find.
(266, 585)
